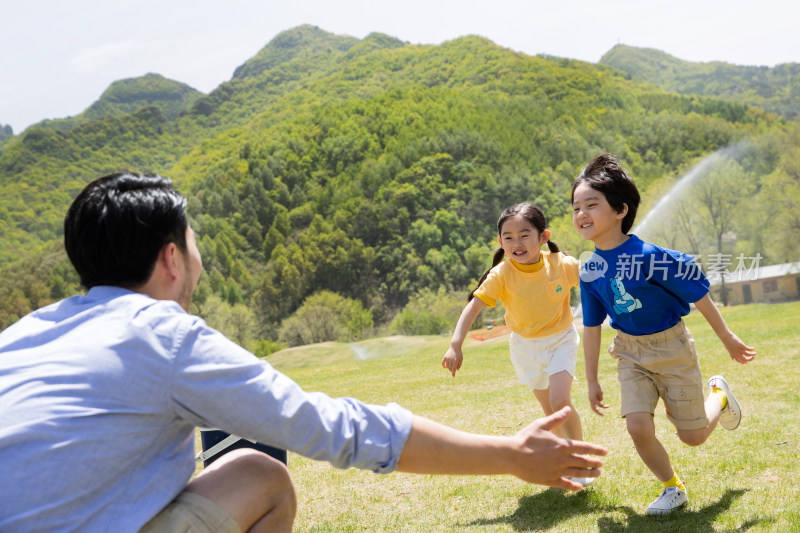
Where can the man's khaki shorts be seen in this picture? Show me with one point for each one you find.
(190, 512)
(662, 365)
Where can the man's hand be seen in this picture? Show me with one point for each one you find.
(547, 459)
(534, 454)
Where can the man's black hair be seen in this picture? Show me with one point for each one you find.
(117, 225)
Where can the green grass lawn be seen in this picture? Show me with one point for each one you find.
(742, 480)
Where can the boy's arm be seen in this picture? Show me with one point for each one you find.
(591, 355)
(739, 351)
(454, 357)
(534, 454)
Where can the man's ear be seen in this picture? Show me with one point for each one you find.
(170, 259)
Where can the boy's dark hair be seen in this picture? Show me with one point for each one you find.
(604, 174)
(535, 217)
(117, 225)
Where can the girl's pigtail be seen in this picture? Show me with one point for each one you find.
(553, 247)
(498, 256)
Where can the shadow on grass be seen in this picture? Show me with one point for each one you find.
(545, 510)
(699, 521)
(540, 512)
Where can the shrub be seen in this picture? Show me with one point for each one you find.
(326, 316)
(429, 313)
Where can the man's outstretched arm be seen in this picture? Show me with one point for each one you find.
(535, 454)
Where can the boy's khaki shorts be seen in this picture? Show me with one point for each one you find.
(662, 365)
(192, 512)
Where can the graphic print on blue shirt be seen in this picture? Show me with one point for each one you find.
(623, 302)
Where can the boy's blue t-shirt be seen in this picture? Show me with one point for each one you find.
(642, 287)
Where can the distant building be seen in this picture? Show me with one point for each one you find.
(763, 284)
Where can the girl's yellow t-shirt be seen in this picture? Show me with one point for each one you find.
(536, 297)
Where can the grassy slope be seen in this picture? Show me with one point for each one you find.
(741, 480)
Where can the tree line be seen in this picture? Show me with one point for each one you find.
(366, 176)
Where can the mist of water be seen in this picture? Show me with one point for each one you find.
(360, 351)
(667, 202)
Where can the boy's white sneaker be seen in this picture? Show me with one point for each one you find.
(671, 498)
(730, 417)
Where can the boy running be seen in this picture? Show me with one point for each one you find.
(646, 290)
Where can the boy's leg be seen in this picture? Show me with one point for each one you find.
(731, 414)
(642, 430)
(255, 489)
(677, 374)
(639, 398)
(720, 400)
(696, 437)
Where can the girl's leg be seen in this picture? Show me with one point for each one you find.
(543, 395)
(560, 385)
(558, 398)
(642, 430)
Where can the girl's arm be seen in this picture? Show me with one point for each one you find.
(739, 351)
(591, 356)
(453, 357)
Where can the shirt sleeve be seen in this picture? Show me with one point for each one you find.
(678, 273)
(572, 269)
(592, 308)
(219, 384)
(490, 290)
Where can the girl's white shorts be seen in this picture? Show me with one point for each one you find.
(535, 360)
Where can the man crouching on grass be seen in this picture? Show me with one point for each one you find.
(100, 396)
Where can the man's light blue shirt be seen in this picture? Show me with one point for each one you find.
(100, 396)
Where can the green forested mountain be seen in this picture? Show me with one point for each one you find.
(130, 95)
(123, 97)
(304, 41)
(775, 89)
(372, 169)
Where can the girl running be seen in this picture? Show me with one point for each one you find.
(534, 286)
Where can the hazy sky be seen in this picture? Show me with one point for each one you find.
(57, 57)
